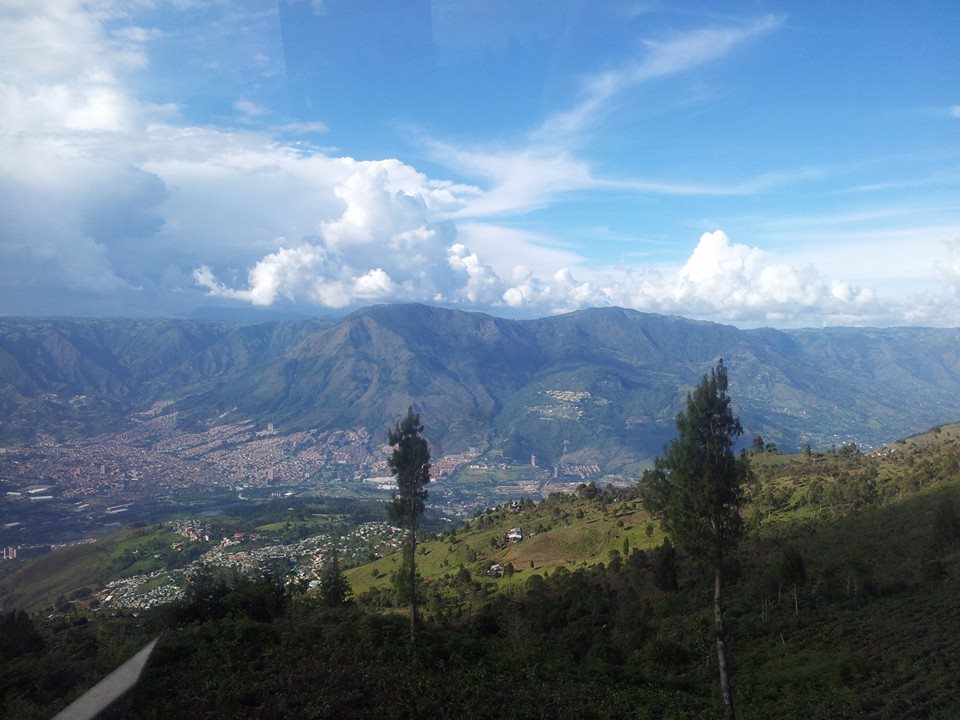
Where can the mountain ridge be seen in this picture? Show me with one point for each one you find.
(601, 382)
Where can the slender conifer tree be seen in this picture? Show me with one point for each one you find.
(696, 491)
(410, 464)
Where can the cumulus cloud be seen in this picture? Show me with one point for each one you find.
(387, 243)
(68, 195)
(738, 282)
(480, 284)
(720, 280)
(75, 139)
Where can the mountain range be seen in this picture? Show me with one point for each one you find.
(594, 386)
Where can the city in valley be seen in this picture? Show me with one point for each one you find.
(234, 496)
(55, 492)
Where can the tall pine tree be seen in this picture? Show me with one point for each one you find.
(334, 588)
(410, 464)
(696, 491)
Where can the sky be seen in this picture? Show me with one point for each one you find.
(759, 163)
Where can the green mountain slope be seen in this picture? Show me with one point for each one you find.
(76, 377)
(598, 386)
(875, 630)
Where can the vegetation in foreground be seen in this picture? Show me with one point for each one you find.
(842, 601)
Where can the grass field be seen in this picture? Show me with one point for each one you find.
(554, 535)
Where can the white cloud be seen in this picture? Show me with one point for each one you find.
(955, 111)
(249, 108)
(68, 192)
(519, 180)
(387, 243)
(103, 194)
(662, 58)
(719, 280)
(737, 281)
(375, 285)
(506, 247)
(544, 165)
(483, 285)
(301, 127)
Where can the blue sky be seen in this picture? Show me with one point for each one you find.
(759, 163)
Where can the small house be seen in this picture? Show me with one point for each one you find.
(515, 534)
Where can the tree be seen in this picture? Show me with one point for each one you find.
(946, 521)
(203, 597)
(18, 635)
(260, 597)
(849, 450)
(410, 464)
(334, 587)
(665, 567)
(696, 491)
(792, 572)
(757, 445)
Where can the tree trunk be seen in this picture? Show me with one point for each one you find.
(413, 581)
(725, 688)
(796, 605)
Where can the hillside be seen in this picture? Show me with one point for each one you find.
(594, 629)
(71, 378)
(597, 386)
(163, 555)
(565, 531)
(899, 483)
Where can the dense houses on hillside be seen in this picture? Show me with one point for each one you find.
(299, 562)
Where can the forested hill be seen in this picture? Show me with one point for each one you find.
(603, 383)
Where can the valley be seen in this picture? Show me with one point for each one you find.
(111, 420)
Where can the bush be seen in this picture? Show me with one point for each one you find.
(665, 567)
(18, 636)
(665, 654)
(946, 522)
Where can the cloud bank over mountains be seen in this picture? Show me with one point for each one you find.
(110, 201)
